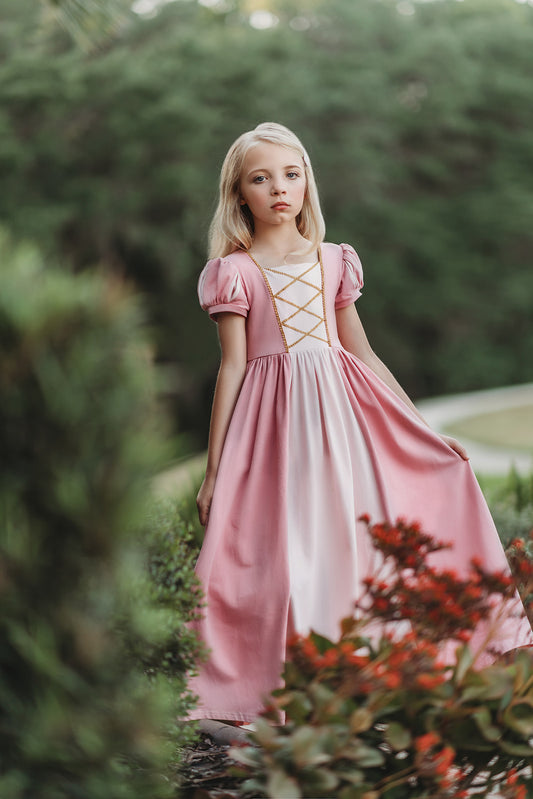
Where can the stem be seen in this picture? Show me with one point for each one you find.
(395, 779)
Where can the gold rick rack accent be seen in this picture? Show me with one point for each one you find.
(285, 323)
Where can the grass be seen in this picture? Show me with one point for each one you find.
(512, 428)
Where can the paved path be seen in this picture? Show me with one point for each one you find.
(182, 477)
(442, 411)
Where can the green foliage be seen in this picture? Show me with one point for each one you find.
(511, 504)
(188, 513)
(79, 446)
(520, 556)
(91, 22)
(159, 605)
(379, 715)
(420, 128)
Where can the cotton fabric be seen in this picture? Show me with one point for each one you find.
(315, 441)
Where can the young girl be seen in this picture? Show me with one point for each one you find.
(309, 430)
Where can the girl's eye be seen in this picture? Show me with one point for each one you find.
(259, 179)
(293, 175)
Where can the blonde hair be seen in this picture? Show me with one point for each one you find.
(232, 226)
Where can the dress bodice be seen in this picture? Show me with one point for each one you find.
(297, 294)
(289, 308)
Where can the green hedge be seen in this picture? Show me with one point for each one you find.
(511, 504)
(160, 602)
(78, 443)
(419, 126)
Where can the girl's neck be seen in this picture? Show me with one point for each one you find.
(274, 246)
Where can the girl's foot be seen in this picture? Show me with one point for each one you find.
(224, 733)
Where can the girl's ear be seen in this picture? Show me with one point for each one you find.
(242, 201)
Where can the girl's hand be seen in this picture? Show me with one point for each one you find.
(456, 446)
(203, 500)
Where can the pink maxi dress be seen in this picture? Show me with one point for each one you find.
(316, 440)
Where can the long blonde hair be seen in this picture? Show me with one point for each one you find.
(232, 226)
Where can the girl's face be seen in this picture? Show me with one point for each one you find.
(273, 183)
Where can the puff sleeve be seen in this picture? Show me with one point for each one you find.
(220, 288)
(351, 281)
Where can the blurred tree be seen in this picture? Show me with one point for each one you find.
(418, 119)
(89, 22)
(79, 445)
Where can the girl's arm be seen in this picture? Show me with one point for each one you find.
(232, 336)
(353, 338)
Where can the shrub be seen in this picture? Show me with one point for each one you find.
(377, 714)
(189, 514)
(520, 556)
(78, 447)
(511, 505)
(160, 601)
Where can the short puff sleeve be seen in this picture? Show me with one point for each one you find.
(351, 281)
(220, 288)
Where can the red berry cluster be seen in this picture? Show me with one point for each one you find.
(442, 604)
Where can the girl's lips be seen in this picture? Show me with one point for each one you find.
(280, 205)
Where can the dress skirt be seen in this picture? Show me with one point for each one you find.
(316, 440)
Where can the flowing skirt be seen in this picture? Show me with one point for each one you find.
(315, 441)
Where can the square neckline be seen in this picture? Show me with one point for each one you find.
(287, 266)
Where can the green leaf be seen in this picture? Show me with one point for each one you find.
(246, 756)
(293, 677)
(321, 642)
(519, 716)
(498, 682)
(265, 734)
(326, 701)
(465, 659)
(281, 786)
(350, 792)
(490, 684)
(354, 776)
(368, 756)
(299, 707)
(361, 720)
(320, 782)
(483, 720)
(307, 749)
(518, 750)
(253, 786)
(397, 736)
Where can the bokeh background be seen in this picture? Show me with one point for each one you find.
(114, 120)
(115, 117)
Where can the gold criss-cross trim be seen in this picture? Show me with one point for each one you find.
(284, 323)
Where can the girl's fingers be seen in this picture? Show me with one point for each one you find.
(201, 514)
(205, 497)
(456, 446)
(203, 510)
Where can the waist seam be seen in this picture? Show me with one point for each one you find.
(291, 354)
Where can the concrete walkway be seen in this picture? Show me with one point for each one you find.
(442, 411)
(182, 477)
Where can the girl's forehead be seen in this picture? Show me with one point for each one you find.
(265, 154)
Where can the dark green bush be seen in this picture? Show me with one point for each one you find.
(511, 505)
(420, 128)
(186, 507)
(161, 602)
(78, 443)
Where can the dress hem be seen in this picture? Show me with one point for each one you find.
(222, 716)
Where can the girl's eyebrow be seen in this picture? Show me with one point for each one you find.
(260, 169)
